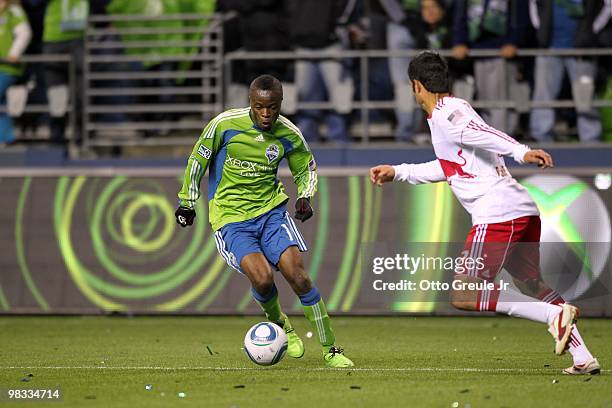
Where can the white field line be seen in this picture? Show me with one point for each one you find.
(366, 369)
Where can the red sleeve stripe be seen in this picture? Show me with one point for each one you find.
(484, 128)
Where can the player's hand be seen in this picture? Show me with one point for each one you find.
(303, 209)
(382, 174)
(184, 216)
(539, 157)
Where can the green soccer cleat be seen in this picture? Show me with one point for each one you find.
(295, 347)
(335, 358)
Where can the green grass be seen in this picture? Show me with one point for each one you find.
(402, 361)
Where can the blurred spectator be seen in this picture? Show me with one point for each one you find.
(195, 7)
(434, 32)
(263, 27)
(402, 27)
(156, 58)
(34, 73)
(102, 39)
(65, 22)
(485, 24)
(380, 87)
(602, 24)
(15, 34)
(602, 27)
(564, 24)
(323, 26)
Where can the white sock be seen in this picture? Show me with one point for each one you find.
(580, 352)
(519, 305)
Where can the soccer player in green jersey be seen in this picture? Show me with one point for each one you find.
(247, 205)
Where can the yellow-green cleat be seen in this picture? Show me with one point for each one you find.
(335, 358)
(295, 346)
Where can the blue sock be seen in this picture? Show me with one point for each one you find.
(310, 298)
(264, 298)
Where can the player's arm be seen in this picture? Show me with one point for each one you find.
(475, 133)
(202, 153)
(304, 170)
(422, 173)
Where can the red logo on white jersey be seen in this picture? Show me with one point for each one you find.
(451, 168)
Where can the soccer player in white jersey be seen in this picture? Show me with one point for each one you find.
(470, 158)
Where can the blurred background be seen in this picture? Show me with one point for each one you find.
(102, 101)
(119, 78)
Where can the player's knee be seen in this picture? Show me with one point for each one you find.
(301, 282)
(297, 276)
(262, 280)
(263, 287)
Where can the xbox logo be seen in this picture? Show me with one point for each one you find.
(575, 232)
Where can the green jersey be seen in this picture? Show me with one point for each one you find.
(65, 20)
(244, 161)
(10, 17)
(149, 8)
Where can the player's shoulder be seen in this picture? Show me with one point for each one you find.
(285, 125)
(450, 103)
(230, 117)
(232, 114)
(287, 129)
(452, 110)
(227, 119)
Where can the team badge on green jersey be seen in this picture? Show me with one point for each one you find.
(272, 153)
(204, 152)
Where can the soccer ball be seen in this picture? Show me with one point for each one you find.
(265, 343)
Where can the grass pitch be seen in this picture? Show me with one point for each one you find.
(401, 361)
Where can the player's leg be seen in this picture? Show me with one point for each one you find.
(282, 242)
(292, 268)
(493, 244)
(506, 301)
(583, 360)
(524, 266)
(256, 267)
(238, 243)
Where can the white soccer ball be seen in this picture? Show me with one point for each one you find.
(265, 343)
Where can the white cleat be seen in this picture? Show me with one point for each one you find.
(561, 327)
(591, 367)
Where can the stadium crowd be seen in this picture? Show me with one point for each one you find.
(57, 27)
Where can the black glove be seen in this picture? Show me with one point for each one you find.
(303, 210)
(184, 216)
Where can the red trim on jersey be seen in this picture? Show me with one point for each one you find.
(488, 129)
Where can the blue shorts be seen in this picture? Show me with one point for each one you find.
(271, 234)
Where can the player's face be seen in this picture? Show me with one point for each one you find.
(265, 108)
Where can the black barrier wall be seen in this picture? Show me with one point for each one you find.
(90, 244)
